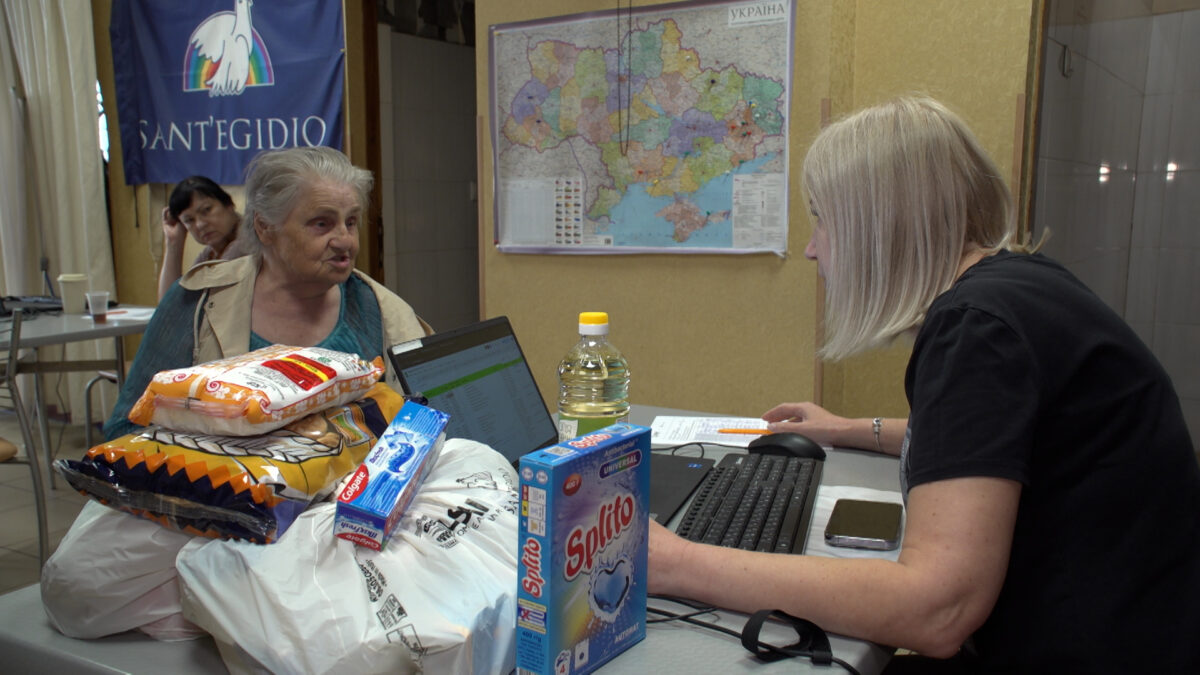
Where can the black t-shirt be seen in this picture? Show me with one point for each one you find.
(1020, 372)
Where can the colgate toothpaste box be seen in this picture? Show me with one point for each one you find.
(581, 574)
(383, 486)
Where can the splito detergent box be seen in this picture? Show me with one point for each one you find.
(581, 575)
(383, 486)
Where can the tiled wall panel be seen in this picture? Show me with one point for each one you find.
(1119, 173)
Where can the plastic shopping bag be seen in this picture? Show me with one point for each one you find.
(115, 572)
(439, 599)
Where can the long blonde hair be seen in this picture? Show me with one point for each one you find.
(903, 189)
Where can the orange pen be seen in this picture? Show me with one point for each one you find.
(756, 432)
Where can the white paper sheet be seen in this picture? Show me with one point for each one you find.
(673, 430)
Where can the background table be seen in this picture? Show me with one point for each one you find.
(44, 329)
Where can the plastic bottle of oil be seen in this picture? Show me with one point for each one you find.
(593, 381)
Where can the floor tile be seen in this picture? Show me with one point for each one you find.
(17, 569)
(19, 525)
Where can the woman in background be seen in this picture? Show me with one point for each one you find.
(298, 285)
(1050, 482)
(202, 208)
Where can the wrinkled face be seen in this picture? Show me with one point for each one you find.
(318, 240)
(209, 221)
(818, 247)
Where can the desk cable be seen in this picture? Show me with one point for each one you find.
(813, 643)
(674, 449)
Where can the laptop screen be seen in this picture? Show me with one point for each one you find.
(478, 374)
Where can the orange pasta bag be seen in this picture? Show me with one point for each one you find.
(255, 392)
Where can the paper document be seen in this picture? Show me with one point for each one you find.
(673, 430)
(139, 313)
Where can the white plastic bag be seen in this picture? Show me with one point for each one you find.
(439, 599)
(115, 572)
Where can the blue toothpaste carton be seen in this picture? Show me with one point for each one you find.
(383, 486)
(581, 575)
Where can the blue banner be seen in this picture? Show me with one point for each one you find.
(204, 85)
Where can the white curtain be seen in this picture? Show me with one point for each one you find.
(18, 277)
(50, 63)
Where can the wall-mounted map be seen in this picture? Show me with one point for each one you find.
(657, 129)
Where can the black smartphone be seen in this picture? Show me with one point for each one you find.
(856, 523)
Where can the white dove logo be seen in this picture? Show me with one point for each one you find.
(225, 54)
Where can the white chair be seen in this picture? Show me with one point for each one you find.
(11, 368)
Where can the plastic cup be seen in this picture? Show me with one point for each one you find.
(97, 302)
(72, 287)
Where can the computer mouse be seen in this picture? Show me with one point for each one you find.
(787, 443)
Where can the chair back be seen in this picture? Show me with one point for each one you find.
(8, 368)
(9, 387)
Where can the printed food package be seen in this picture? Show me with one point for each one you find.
(581, 575)
(382, 487)
(255, 392)
(239, 487)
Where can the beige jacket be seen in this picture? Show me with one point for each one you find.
(223, 328)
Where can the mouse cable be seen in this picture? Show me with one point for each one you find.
(810, 633)
(698, 607)
(674, 449)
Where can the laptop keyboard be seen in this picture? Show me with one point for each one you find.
(755, 502)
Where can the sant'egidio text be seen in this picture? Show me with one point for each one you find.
(271, 133)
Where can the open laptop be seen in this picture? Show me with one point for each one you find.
(478, 375)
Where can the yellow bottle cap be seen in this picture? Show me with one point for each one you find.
(593, 318)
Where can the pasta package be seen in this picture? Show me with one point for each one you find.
(255, 392)
(234, 487)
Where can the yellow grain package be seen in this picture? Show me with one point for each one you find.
(255, 392)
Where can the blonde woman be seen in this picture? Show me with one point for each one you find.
(1045, 454)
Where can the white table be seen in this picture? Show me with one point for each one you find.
(677, 647)
(44, 329)
(29, 643)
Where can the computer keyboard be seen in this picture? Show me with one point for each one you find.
(30, 303)
(756, 502)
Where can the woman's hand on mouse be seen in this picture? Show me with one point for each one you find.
(808, 419)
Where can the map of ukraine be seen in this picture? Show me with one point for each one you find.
(684, 125)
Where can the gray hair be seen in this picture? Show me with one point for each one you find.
(902, 189)
(276, 178)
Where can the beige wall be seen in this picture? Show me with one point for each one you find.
(974, 57)
(736, 334)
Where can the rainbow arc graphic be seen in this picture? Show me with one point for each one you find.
(198, 69)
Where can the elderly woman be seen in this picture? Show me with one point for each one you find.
(1050, 482)
(297, 287)
(202, 208)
